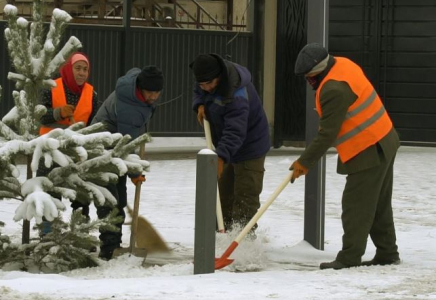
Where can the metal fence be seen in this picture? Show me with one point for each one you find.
(170, 49)
(394, 42)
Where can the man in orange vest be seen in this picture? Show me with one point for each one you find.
(354, 120)
(72, 100)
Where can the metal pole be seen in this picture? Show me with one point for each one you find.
(314, 196)
(126, 45)
(205, 212)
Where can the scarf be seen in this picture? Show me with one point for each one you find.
(67, 75)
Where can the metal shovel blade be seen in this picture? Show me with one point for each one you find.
(139, 252)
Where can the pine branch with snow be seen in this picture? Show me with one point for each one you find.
(77, 176)
(81, 161)
(20, 119)
(36, 28)
(35, 59)
(89, 177)
(4, 242)
(65, 248)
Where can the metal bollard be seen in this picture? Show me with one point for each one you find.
(205, 212)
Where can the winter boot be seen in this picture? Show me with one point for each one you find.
(381, 262)
(106, 254)
(335, 265)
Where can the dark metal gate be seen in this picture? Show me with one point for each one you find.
(393, 40)
(170, 49)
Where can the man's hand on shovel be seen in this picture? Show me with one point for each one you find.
(298, 170)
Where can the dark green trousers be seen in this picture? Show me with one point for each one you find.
(367, 211)
(240, 186)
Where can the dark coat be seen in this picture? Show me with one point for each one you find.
(122, 111)
(239, 126)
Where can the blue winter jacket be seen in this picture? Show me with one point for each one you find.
(239, 126)
(122, 111)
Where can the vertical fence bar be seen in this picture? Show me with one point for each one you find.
(205, 212)
(126, 58)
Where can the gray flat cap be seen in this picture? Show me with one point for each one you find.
(310, 56)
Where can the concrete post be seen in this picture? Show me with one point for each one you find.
(205, 212)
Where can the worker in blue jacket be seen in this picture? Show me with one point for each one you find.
(226, 97)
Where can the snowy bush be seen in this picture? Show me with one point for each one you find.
(65, 248)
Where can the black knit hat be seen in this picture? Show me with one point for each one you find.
(309, 57)
(206, 67)
(150, 79)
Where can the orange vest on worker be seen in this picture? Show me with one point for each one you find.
(81, 113)
(367, 121)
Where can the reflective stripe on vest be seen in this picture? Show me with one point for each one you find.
(366, 121)
(81, 113)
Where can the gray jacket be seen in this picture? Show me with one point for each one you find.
(122, 111)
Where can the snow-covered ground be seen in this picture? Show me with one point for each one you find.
(278, 265)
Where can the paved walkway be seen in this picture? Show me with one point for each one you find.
(188, 147)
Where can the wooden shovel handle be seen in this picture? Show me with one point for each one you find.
(219, 211)
(135, 212)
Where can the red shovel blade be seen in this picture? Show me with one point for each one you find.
(224, 260)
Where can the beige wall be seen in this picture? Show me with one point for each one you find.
(239, 8)
(217, 9)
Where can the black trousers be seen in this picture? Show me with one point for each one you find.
(109, 239)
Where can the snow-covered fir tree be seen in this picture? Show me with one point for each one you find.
(88, 158)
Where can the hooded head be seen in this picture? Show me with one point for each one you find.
(311, 60)
(75, 72)
(150, 79)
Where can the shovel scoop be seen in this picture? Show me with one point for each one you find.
(224, 260)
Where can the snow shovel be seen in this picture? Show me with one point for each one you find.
(142, 233)
(224, 260)
(219, 212)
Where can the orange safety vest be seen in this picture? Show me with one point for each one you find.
(367, 121)
(81, 113)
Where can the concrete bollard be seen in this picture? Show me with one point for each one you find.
(205, 212)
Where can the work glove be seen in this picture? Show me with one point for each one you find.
(138, 179)
(220, 167)
(298, 169)
(67, 111)
(200, 114)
